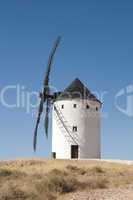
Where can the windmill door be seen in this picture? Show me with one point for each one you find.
(74, 151)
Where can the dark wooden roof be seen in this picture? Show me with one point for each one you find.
(77, 90)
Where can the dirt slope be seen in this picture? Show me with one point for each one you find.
(65, 180)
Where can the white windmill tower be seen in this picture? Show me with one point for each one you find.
(75, 119)
(76, 123)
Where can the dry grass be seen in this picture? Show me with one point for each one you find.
(49, 179)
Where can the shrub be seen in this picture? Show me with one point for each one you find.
(11, 173)
(9, 192)
(58, 172)
(58, 183)
(5, 172)
(75, 169)
(96, 170)
(97, 183)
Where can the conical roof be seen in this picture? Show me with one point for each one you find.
(77, 90)
(77, 86)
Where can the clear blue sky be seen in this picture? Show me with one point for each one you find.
(97, 47)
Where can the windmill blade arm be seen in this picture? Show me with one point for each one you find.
(45, 95)
(46, 123)
(37, 123)
(50, 60)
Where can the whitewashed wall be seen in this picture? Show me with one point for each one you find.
(88, 124)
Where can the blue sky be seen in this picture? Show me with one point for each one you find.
(96, 46)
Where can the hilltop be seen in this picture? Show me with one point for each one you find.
(65, 180)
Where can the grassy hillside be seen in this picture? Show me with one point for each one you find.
(54, 179)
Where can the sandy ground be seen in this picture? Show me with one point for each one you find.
(94, 179)
(104, 194)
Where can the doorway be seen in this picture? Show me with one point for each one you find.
(53, 155)
(74, 151)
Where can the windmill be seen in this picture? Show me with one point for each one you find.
(45, 96)
(75, 118)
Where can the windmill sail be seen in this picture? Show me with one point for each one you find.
(45, 94)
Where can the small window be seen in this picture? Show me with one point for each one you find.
(62, 106)
(75, 129)
(96, 108)
(74, 105)
(87, 106)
